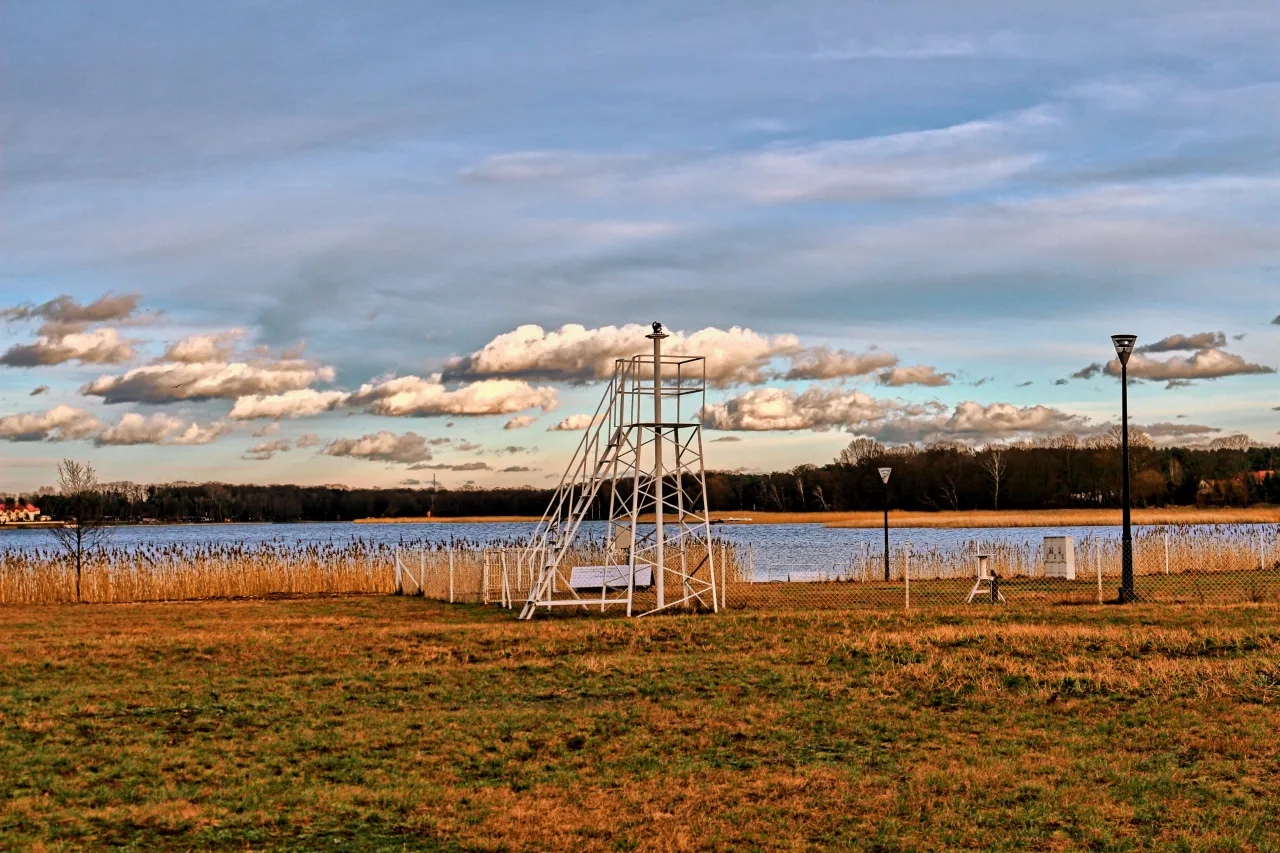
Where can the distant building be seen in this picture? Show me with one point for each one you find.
(11, 514)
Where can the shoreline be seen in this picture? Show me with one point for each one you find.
(947, 519)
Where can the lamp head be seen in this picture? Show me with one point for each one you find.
(1124, 346)
(884, 475)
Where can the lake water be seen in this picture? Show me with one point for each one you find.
(774, 545)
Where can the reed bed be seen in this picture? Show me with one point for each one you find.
(1220, 562)
(204, 571)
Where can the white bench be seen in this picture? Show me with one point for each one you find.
(608, 577)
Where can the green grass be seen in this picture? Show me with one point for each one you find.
(382, 723)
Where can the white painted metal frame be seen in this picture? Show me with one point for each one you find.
(633, 441)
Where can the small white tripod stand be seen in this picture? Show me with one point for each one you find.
(986, 576)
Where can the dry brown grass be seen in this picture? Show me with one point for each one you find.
(386, 723)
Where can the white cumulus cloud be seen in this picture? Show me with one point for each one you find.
(61, 423)
(168, 382)
(416, 396)
(574, 353)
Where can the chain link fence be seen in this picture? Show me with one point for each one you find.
(1225, 564)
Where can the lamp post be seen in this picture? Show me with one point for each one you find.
(1124, 348)
(884, 476)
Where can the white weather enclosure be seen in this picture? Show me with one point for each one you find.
(640, 465)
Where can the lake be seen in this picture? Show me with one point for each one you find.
(774, 545)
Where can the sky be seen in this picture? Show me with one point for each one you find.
(380, 243)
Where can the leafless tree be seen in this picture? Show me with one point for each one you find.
(994, 463)
(85, 530)
(859, 450)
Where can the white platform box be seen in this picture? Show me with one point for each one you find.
(1060, 557)
(608, 577)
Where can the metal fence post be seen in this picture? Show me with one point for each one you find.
(451, 574)
(484, 578)
(1166, 550)
(906, 573)
(1097, 564)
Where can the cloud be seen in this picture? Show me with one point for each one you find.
(1087, 372)
(168, 382)
(1172, 430)
(38, 390)
(517, 469)
(133, 429)
(973, 422)
(63, 316)
(411, 482)
(307, 440)
(827, 363)
(1209, 363)
(266, 430)
(574, 353)
(1060, 381)
(100, 346)
(264, 450)
(890, 421)
(920, 374)
(382, 447)
(512, 450)
(61, 423)
(519, 422)
(914, 164)
(784, 409)
(571, 424)
(197, 349)
(456, 466)
(415, 396)
(1174, 343)
(726, 438)
(196, 434)
(302, 403)
(1276, 320)
(1026, 384)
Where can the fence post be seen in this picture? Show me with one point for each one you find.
(422, 571)
(906, 573)
(724, 573)
(399, 579)
(1097, 564)
(484, 578)
(1166, 550)
(751, 557)
(451, 574)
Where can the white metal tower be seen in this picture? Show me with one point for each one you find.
(643, 460)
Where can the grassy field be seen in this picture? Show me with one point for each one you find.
(388, 723)
(969, 518)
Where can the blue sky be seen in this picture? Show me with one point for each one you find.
(337, 195)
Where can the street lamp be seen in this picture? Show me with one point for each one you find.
(884, 475)
(1124, 349)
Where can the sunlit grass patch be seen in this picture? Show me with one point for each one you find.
(391, 723)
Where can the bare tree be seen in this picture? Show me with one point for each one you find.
(78, 483)
(994, 464)
(859, 450)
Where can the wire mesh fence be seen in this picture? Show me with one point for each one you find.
(1201, 563)
(1227, 563)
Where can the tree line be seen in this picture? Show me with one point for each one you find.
(1059, 474)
